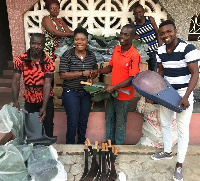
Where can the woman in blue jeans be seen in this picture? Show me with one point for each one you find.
(75, 66)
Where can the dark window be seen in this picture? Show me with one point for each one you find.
(194, 32)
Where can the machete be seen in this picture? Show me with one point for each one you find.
(103, 164)
(99, 171)
(86, 161)
(113, 174)
(89, 146)
(108, 156)
(94, 165)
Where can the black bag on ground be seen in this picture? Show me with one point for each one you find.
(35, 131)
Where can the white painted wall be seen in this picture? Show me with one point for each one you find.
(112, 15)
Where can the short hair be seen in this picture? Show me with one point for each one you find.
(131, 27)
(81, 30)
(49, 2)
(137, 5)
(167, 22)
(40, 35)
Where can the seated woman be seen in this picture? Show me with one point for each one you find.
(75, 66)
(53, 28)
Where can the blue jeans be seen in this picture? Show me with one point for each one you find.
(77, 106)
(152, 62)
(116, 118)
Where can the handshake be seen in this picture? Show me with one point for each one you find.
(90, 74)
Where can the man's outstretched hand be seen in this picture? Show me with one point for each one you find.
(93, 73)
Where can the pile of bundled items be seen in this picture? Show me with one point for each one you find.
(103, 168)
(151, 128)
(30, 156)
(102, 47)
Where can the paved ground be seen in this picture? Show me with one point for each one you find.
(196, 107)
(135, 162)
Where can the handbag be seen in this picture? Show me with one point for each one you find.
(35, 131)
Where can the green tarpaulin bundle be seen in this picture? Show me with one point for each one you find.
(97, 92)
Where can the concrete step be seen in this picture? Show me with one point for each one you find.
(4, 85)
(6, 76)
(6, 79)
(5, 98)
(5, 101)
(5, 90)
(5, 95)
(8, 72)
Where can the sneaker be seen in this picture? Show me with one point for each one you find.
(178, 175)
(162, 155)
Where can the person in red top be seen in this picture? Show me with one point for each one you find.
(38, 71)
(124, 65)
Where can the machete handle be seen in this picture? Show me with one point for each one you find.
(88, 141)
(86, 83)
(106, 147)
(95, 144)
(109, 143)
(103, 147)
(86, 145)
(116, 151)
(100, 144)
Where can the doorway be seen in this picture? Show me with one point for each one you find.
(5, 43)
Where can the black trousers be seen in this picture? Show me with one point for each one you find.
(152, 62)
(48, 120)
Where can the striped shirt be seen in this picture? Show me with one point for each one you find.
(34, 74)
(147, 34)
(69, 62)
(176, 71)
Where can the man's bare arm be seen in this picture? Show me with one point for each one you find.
(15, 86)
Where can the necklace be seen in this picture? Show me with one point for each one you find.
(82, 56)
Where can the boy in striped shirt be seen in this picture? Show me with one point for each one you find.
(147, 31)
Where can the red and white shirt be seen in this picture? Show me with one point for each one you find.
(34, 74)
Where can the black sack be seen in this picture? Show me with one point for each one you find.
(35, 131)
